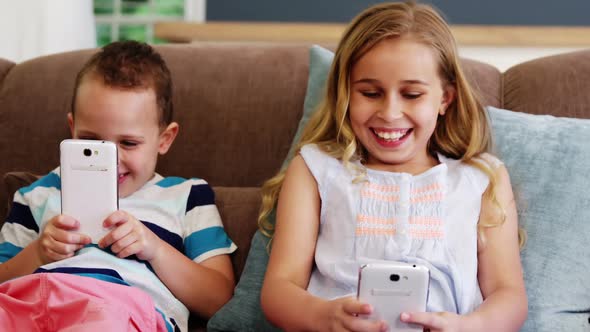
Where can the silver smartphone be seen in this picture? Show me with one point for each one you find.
(393, 288)
(89, 187)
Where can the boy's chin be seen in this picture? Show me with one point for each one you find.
(125, 191)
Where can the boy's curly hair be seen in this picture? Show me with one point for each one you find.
(131, 65)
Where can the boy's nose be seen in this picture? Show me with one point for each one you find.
(120, 155)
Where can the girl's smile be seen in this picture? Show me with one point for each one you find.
(391, 138)
(396, 98)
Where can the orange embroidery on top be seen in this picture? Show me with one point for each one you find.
(437, 197)
(431, 187)
(372, 231)
(380, 197)
(426, 234)
(369, 225)
(375, 220)
(417, 227)
(381, 187)
(426, 221)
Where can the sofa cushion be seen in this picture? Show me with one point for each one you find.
(243, 312)
(555, 85)
(548, 158)
(238, 207)
(12, 181)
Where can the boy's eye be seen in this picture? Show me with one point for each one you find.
(128, 143)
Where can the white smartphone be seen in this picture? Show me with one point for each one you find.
(89, 187)
(393, 288)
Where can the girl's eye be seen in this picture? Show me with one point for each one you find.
(370, 94)
(412, 95)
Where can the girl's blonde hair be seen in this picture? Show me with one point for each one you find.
(462, 133)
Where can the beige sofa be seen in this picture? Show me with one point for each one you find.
(238, 106)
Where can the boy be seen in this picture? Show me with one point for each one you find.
(166, 241)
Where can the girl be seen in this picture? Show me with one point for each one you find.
(394, 167)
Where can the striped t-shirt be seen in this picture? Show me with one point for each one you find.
(181, 212)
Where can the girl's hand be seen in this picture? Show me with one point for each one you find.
(59, 240)
(129, 237)
(434, 321)
(342, 315)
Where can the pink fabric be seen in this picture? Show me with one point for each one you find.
(64, 302)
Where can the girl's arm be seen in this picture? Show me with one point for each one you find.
(285, 300)
(499, 268)
(499, 274)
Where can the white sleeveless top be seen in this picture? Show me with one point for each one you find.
(430, 219)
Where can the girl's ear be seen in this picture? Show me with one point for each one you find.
(71, 123)
(167, 137)
(449, 95)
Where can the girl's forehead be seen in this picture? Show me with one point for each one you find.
(398, 57)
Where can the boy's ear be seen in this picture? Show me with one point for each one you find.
(167, 137)
(71, 123)
(449, 95)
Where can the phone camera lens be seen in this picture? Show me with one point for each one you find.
(87, 152)
(394, 277)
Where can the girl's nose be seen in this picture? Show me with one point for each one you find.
(391, 110)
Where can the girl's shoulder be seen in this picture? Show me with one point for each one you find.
(323, 166)
(314, 154)
(477, 171)
(489, 160)
(484, 160)
(312, 149)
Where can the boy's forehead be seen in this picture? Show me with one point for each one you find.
(94, 79)
(94, 95)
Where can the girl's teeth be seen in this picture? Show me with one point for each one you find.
(391, 135)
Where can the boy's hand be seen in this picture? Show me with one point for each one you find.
(59, 240)
(129, 237)
(342, 315)
(434, 321)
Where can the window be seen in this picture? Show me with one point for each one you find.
(135, 19)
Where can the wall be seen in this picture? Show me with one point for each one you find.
(500, 12)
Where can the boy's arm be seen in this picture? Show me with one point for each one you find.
(25, 262)
(24, 247)
(203, 287)
(202, 277)
(57, 241)
(19, 254)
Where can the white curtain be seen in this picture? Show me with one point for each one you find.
(31, 28)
